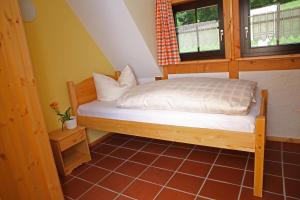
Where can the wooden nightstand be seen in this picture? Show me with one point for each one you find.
(70, 149)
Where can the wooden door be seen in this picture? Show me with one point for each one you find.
(27, 169)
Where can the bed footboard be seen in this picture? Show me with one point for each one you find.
(260, 138)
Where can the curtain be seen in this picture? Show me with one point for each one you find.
(167, 48)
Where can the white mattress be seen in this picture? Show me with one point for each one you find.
(108, 109)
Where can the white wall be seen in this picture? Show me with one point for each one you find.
(143, 14)
(284, 100)
(115, 32)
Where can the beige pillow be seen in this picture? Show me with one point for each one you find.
(109, 89)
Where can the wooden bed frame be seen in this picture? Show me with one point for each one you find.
(85, 92)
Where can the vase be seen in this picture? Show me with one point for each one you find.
(71, 124)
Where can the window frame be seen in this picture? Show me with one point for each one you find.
(213, 54)
(247, 50)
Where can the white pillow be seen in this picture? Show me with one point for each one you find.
(109, 89)
(127, 77)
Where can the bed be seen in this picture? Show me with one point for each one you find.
(243, 133)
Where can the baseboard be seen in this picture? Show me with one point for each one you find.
(283, 139)
(99, 140)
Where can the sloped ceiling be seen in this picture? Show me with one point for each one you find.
(123, 39)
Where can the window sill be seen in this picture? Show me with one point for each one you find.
(203, 61)
(289, 56)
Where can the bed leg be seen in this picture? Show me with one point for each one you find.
(259, 156)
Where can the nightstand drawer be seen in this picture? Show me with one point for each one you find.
(71, 140)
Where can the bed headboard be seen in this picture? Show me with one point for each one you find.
(83, 92)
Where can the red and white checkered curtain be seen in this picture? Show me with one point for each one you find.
(167, 48)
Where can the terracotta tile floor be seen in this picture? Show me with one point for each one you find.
(128, 168)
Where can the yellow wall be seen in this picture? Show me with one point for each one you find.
(61, 50)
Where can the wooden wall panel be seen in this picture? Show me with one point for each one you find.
(197, 67)
(270, 63)
(27, 167)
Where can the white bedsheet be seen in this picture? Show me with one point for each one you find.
(109, 110)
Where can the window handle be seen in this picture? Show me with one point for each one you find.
(221, 35)
(246, 32)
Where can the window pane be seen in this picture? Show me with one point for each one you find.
(208, 28)
(289, 29)
(274, 22)
(186, 31)
(185, 17)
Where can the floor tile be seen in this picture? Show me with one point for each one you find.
(109, 163)
(205, 148)
(144, 158)
(234, 152)
(104, 149)
(248, 180)
(272, 155)
(202, 198)
(123, 153)
(273, 168)
(131, 169)
(273, 145)
(291, 147)
(202, 156)
(96, 157)
(122, 136)
(142, 139)
(167, 163)
(97, 192)
(292, 171)
(271, 183)
(122, 197)
(291, 198)
(186, 183)
(177, 152)
(154, 148)
(292, 188)
(195, 168)
(231, 161)
(116, 182)
(247, 194)
(79, 169)
(220, 191)
(167, 193)
(142, 190)
(75, 187)
(155, 175)
(291, 158)
(163, 142)
(226, 174)
(115, 141)
(93, 174)
(134, 144)
(182, 145)
(67, 198)
(65, 179)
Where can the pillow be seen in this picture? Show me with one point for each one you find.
(109, 89)
(127, 77)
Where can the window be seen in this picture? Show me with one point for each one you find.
(270, 27)
(199, 29)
